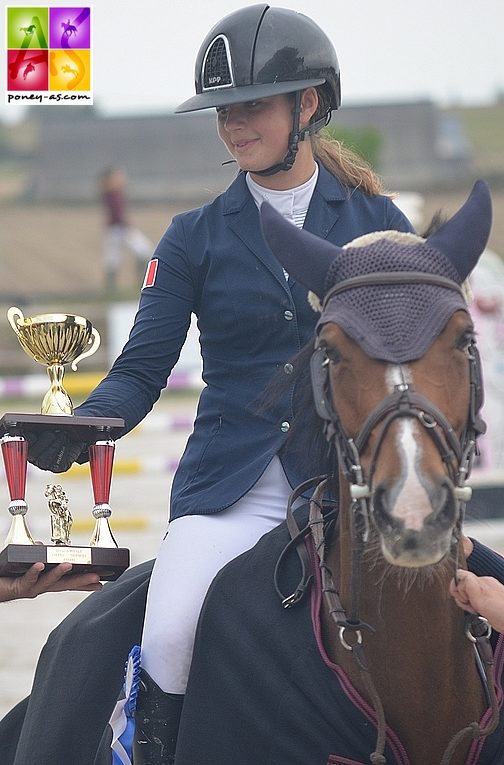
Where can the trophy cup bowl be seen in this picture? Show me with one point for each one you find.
(55, 339)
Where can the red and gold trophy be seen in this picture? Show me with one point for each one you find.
(56, 340)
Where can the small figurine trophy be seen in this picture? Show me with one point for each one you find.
(56, 340)
(61, 517)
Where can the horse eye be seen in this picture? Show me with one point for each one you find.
(466, 340)
(333, 355)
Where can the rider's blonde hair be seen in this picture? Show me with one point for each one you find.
(350, 168)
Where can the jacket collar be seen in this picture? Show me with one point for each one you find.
(328, 188)
(243, 215)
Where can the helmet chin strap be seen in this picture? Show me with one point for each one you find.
(295, 137)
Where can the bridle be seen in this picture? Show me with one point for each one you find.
(457, 454)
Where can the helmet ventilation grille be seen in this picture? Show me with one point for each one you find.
(217, 71)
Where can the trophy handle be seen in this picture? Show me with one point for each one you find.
(12, 313)
(94, 347)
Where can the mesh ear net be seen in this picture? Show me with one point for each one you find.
(217, 65)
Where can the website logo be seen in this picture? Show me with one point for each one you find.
(48, 57)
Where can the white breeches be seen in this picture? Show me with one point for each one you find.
(195, 548)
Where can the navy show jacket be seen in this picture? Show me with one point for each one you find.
(213, 262)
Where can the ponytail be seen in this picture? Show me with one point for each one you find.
(348, 167)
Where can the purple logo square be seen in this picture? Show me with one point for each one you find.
(70, 27)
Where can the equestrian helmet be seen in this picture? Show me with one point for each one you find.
(260, 51)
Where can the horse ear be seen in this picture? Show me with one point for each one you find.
(464, 237)
(305, 257)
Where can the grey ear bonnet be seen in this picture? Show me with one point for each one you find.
(396, 323)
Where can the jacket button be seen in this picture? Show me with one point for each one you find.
(288, 315)
(288, 369)
(284, 427)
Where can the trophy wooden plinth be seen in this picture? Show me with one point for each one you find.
(20, 551)
(108, 562)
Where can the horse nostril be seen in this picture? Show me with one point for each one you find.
(411, 542)
(444, 509)
(380, 509)
(380, 499)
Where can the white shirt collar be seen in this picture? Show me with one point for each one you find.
(290, 203)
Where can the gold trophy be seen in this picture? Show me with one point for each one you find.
(57, 339)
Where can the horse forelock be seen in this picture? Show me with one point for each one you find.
(400, 237)
(382, 251)
(392, 322)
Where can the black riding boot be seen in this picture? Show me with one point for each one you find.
(157, 720)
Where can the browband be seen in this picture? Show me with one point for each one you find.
(392, 277)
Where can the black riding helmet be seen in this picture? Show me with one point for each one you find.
(260, 51)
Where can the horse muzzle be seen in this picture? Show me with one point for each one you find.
(409, 536)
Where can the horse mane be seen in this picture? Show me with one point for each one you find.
(305, 437)
(437, 220)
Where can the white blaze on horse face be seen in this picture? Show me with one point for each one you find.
(412, 504)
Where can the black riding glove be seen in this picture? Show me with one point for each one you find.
(54, 450)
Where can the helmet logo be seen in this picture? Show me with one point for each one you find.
(217, 69)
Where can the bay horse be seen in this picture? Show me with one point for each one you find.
(369, 661)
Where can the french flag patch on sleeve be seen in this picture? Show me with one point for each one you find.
(150, 274)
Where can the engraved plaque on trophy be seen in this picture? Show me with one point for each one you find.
(56, 340)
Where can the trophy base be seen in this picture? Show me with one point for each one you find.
(108, 562)
(15, 424)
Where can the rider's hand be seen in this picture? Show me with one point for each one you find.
(54, 450)
(467, 545)
(36, 581)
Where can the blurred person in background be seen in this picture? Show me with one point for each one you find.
(120, 234)
(487, 310)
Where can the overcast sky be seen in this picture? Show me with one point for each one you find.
(450, 51)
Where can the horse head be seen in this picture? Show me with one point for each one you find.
(395, 370)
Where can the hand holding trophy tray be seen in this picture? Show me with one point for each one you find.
(55, 340)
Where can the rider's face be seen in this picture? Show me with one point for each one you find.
(256, 132)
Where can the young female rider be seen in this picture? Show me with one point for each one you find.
(273, 77)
